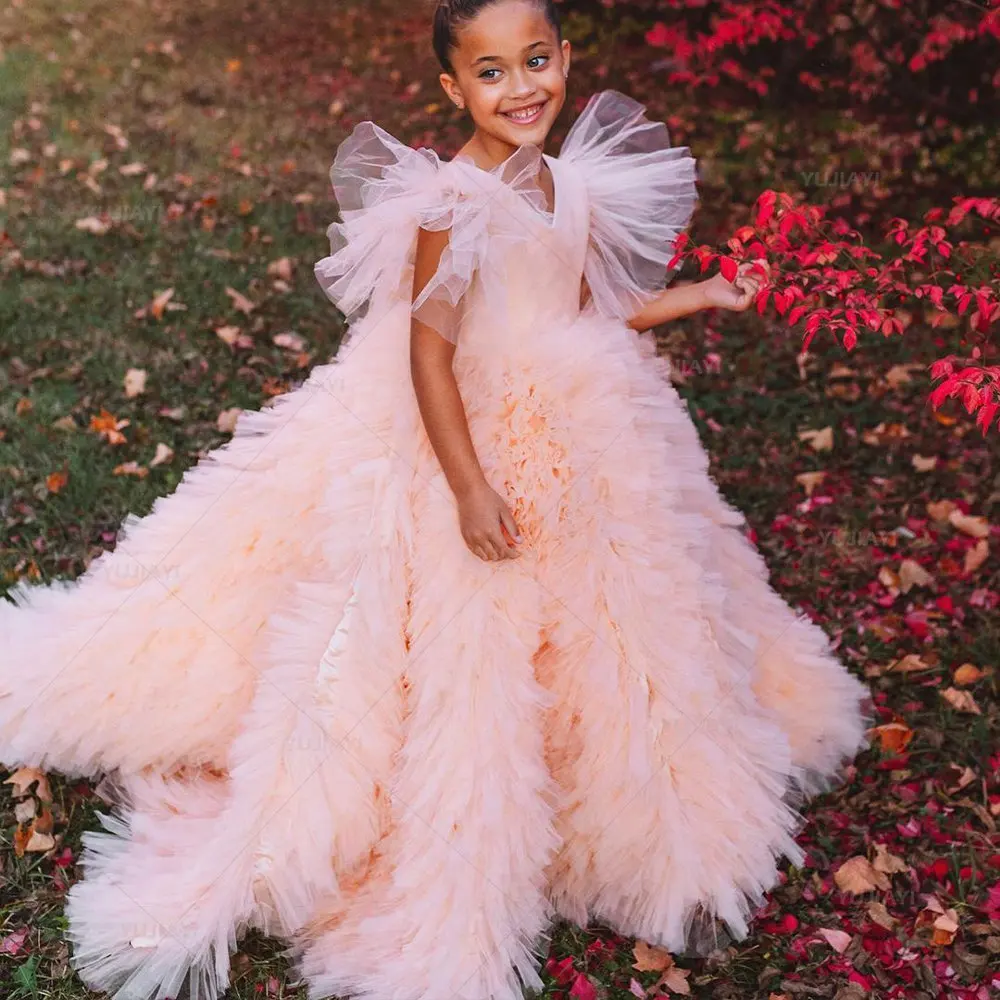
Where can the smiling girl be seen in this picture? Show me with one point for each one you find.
(459, 636)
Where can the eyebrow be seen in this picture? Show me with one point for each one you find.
(528, 48)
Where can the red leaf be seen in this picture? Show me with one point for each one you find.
(729, 268)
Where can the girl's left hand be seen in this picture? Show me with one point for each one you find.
(739, 294)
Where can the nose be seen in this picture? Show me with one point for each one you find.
(521, 84)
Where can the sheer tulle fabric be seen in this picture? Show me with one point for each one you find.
(641, 193)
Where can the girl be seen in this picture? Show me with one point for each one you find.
(459, 635)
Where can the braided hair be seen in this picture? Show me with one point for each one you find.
(450, 15)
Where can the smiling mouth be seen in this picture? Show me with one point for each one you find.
(525, 116)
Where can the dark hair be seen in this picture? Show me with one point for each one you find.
(450, 15)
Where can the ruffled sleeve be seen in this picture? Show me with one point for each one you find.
(385, 191)
(642, 192)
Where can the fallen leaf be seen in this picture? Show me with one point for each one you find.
(164, 453)
(109, 427)
(821, 440)
(924, 464)
(93, 225)
(961, 701)
(940, 510)
(912, 574)
(976, 527)
(650, 959)
(22, 780)
(240, 302)
(976, 556)
(838, 940)
(910, 663)
(227, 334)
(135, 382)
(159, 303)
(968, 673)
(226, 421)
(281, 268)
(893, 736)
(130, 469)
(857, 876)
(810, 480)
(55, 481)
(887, 862)
(291, 341)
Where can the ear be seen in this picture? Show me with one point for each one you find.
(452, 89)
(567, 51)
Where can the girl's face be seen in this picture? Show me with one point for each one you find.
(510, 72)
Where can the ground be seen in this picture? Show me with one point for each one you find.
(163, 196)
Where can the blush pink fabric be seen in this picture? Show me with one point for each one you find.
(327, 719)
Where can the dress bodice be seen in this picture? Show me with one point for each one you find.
(622, 194)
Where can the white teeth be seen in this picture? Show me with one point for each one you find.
(524, 115)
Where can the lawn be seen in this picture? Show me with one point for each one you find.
(164, 193)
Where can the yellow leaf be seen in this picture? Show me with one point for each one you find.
(968, 673)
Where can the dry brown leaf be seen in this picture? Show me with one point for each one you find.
(650, 959)
(887, 862)
(289, 340)
(93, 225)
(976, 556)
(227, 334)
(912, 574)
(22, 780)
(961, 701)
(880, 915)
(899, 375)
(922, 463)
(163, 454)
(857, 876)
(135, 382)
(908, 664)
(821, 440)
(976, 527)
(889, 579)
(226, 421)
(281, 268)
(240, 302)
(810, 480)
(940, 510)
(675, 980)
(35, 842)
(132, 468)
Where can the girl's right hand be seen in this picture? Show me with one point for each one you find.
(483, 518)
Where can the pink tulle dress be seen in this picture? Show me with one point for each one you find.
(324, 717)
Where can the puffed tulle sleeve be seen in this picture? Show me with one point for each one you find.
(642, 193)
(385, 191)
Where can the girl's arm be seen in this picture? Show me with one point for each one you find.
(483, 513)
(682, 300)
